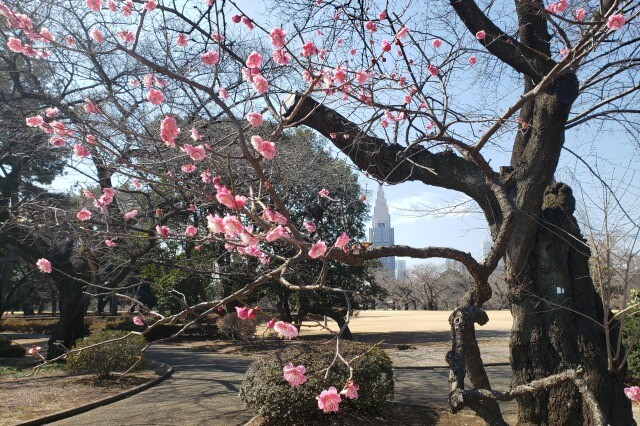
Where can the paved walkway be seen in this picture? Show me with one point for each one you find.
(204, 391)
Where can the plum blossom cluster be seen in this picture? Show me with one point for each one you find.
(633, 393)
(329, 399)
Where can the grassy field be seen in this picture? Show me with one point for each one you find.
(419, 325)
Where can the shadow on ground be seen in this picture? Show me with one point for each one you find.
(421, 337)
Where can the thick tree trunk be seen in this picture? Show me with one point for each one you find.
(554, 332)
(70, 327)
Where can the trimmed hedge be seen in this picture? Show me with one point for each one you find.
(231, 327)
(4, 342)
(12, 351)
(106, 358)
(265, 390)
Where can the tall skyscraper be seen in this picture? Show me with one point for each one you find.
(401, 269)
(381, 233)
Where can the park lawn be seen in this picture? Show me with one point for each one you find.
(25, 396)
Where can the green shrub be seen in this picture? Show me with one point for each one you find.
(12, 351)
(4, 342)
(28, 325)
(631, 325)
(231, 327)
(106, 358)
(265, 390)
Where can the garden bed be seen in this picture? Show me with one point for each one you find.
(51, 389)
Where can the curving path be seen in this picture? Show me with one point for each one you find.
(203, 390)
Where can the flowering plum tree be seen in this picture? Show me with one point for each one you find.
(140, 82)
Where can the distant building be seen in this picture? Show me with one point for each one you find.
(381, 232)
(454, 265)
(401, 269)
(485, 248)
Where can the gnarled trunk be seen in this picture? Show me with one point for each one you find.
(557, 322)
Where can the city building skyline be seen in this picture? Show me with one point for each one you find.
(381, 233)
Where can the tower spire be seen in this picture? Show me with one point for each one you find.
(381, 232)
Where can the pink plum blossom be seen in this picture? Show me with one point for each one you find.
(44, 266)
(90, 107)
(277, 37)
(370, 26)
(214, 224)
(191, 231)
(254, 60)
(580, 14)
(329, 400)
(131, 214)
(57, 141)
(260, 84)
(317, 250)
(247, 23)
(362, 76)
(188, 168)
(481, 35)
(127, 8)
(243, 312)
(34, 350)
(15, 45)
(633, 393)
(271, 323)
(223, 93)
(182, 40)
(350, 390)
(163, 230)
(472, 60)
(197, 153)
(34, 121)
(150, 5)
(155, 96)
(342, 240)
(137, 320)
(285, 330)
(265, 148)
(169, 130)
(310, 227)
(195, 134)
(110, 243)
(309, 49)
(94, 5)
(436, 43)
(404, 31)
(232, 226)
(127, 37)
(80, 151)
(294, 375)
(83, 215)
(210, 58)
(277, 233)
(433, 70)
(254, 118)
(51, 112)
(96, 35)
(226, 198)
(323, 193)
(615, 22)
(281, 57)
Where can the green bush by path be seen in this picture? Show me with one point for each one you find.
(265, 390)
(105, 358)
